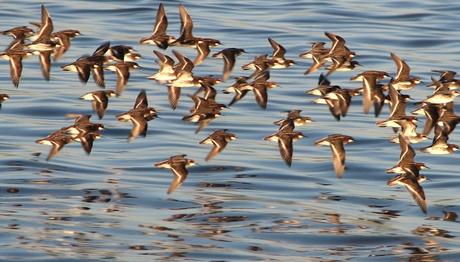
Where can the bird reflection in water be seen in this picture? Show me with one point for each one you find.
(339, 228)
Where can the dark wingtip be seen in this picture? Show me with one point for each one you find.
(16, 83)
(288, 162)
(424, 209)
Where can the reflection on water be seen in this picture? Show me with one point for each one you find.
(244, 204)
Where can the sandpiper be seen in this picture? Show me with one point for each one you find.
(339, 101)
(228, 55)
(178, 165)
(159, 36)
(43, 46)
(406, 158)
(279, 61)
(100, 100)
(397, 102)
(372, 91)
(15, 56)
(446, 80)
(203, 111)
(139, 116)
(166, 72)
(122, 53)
(448, 120)
(336, 142)
(338, 47)
(431, 116)
(285, 138)
(260, 64)
(440, 145)
(57, 140)
(82, 125)
(84, 131)
(341, 64)
(323, 87)
(442, 97)
(294, 115)
(63, 38)
(240, 88)
(317, 48)
(403, 80)
(219, 140)
(19, 32)
(94, 63)
(186, 38)
(411, 179)
(122, 69)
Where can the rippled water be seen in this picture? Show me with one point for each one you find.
(245, 204)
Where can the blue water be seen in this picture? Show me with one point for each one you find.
(245, 204)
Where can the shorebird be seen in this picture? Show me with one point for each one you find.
(431, 116)
(336, 142)
(279, 61)
(100, 100)
(440, 145)
(219, 139)
(372, 91)
(14, 55)
(139, 116)
(406, 158)
(411, 180)
(63, 38)
(87, 64)
(403, 80)
(317, 49)
(159, 36)
(295, 117)
(57, 140)
(43, 46)
(178, 165)
(122, 70)
(285, 137)
(186, 38)
(122, 53)
(229, 55)
(166, 71)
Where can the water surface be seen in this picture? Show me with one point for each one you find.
(245, 204)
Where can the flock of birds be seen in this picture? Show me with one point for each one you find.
(437, 108)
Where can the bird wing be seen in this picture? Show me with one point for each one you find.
(15, 69)
(338, 157)
(45, 63)
(186, 23)
(278, 50)
(203, 52)
(161, 23)
(139, 128)
(416, 191)
(403, 69)
(286, 149)
(180, 174)
(173, 96)
(260, 92)
(141, 100)
(229, 63)
(98, 75)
